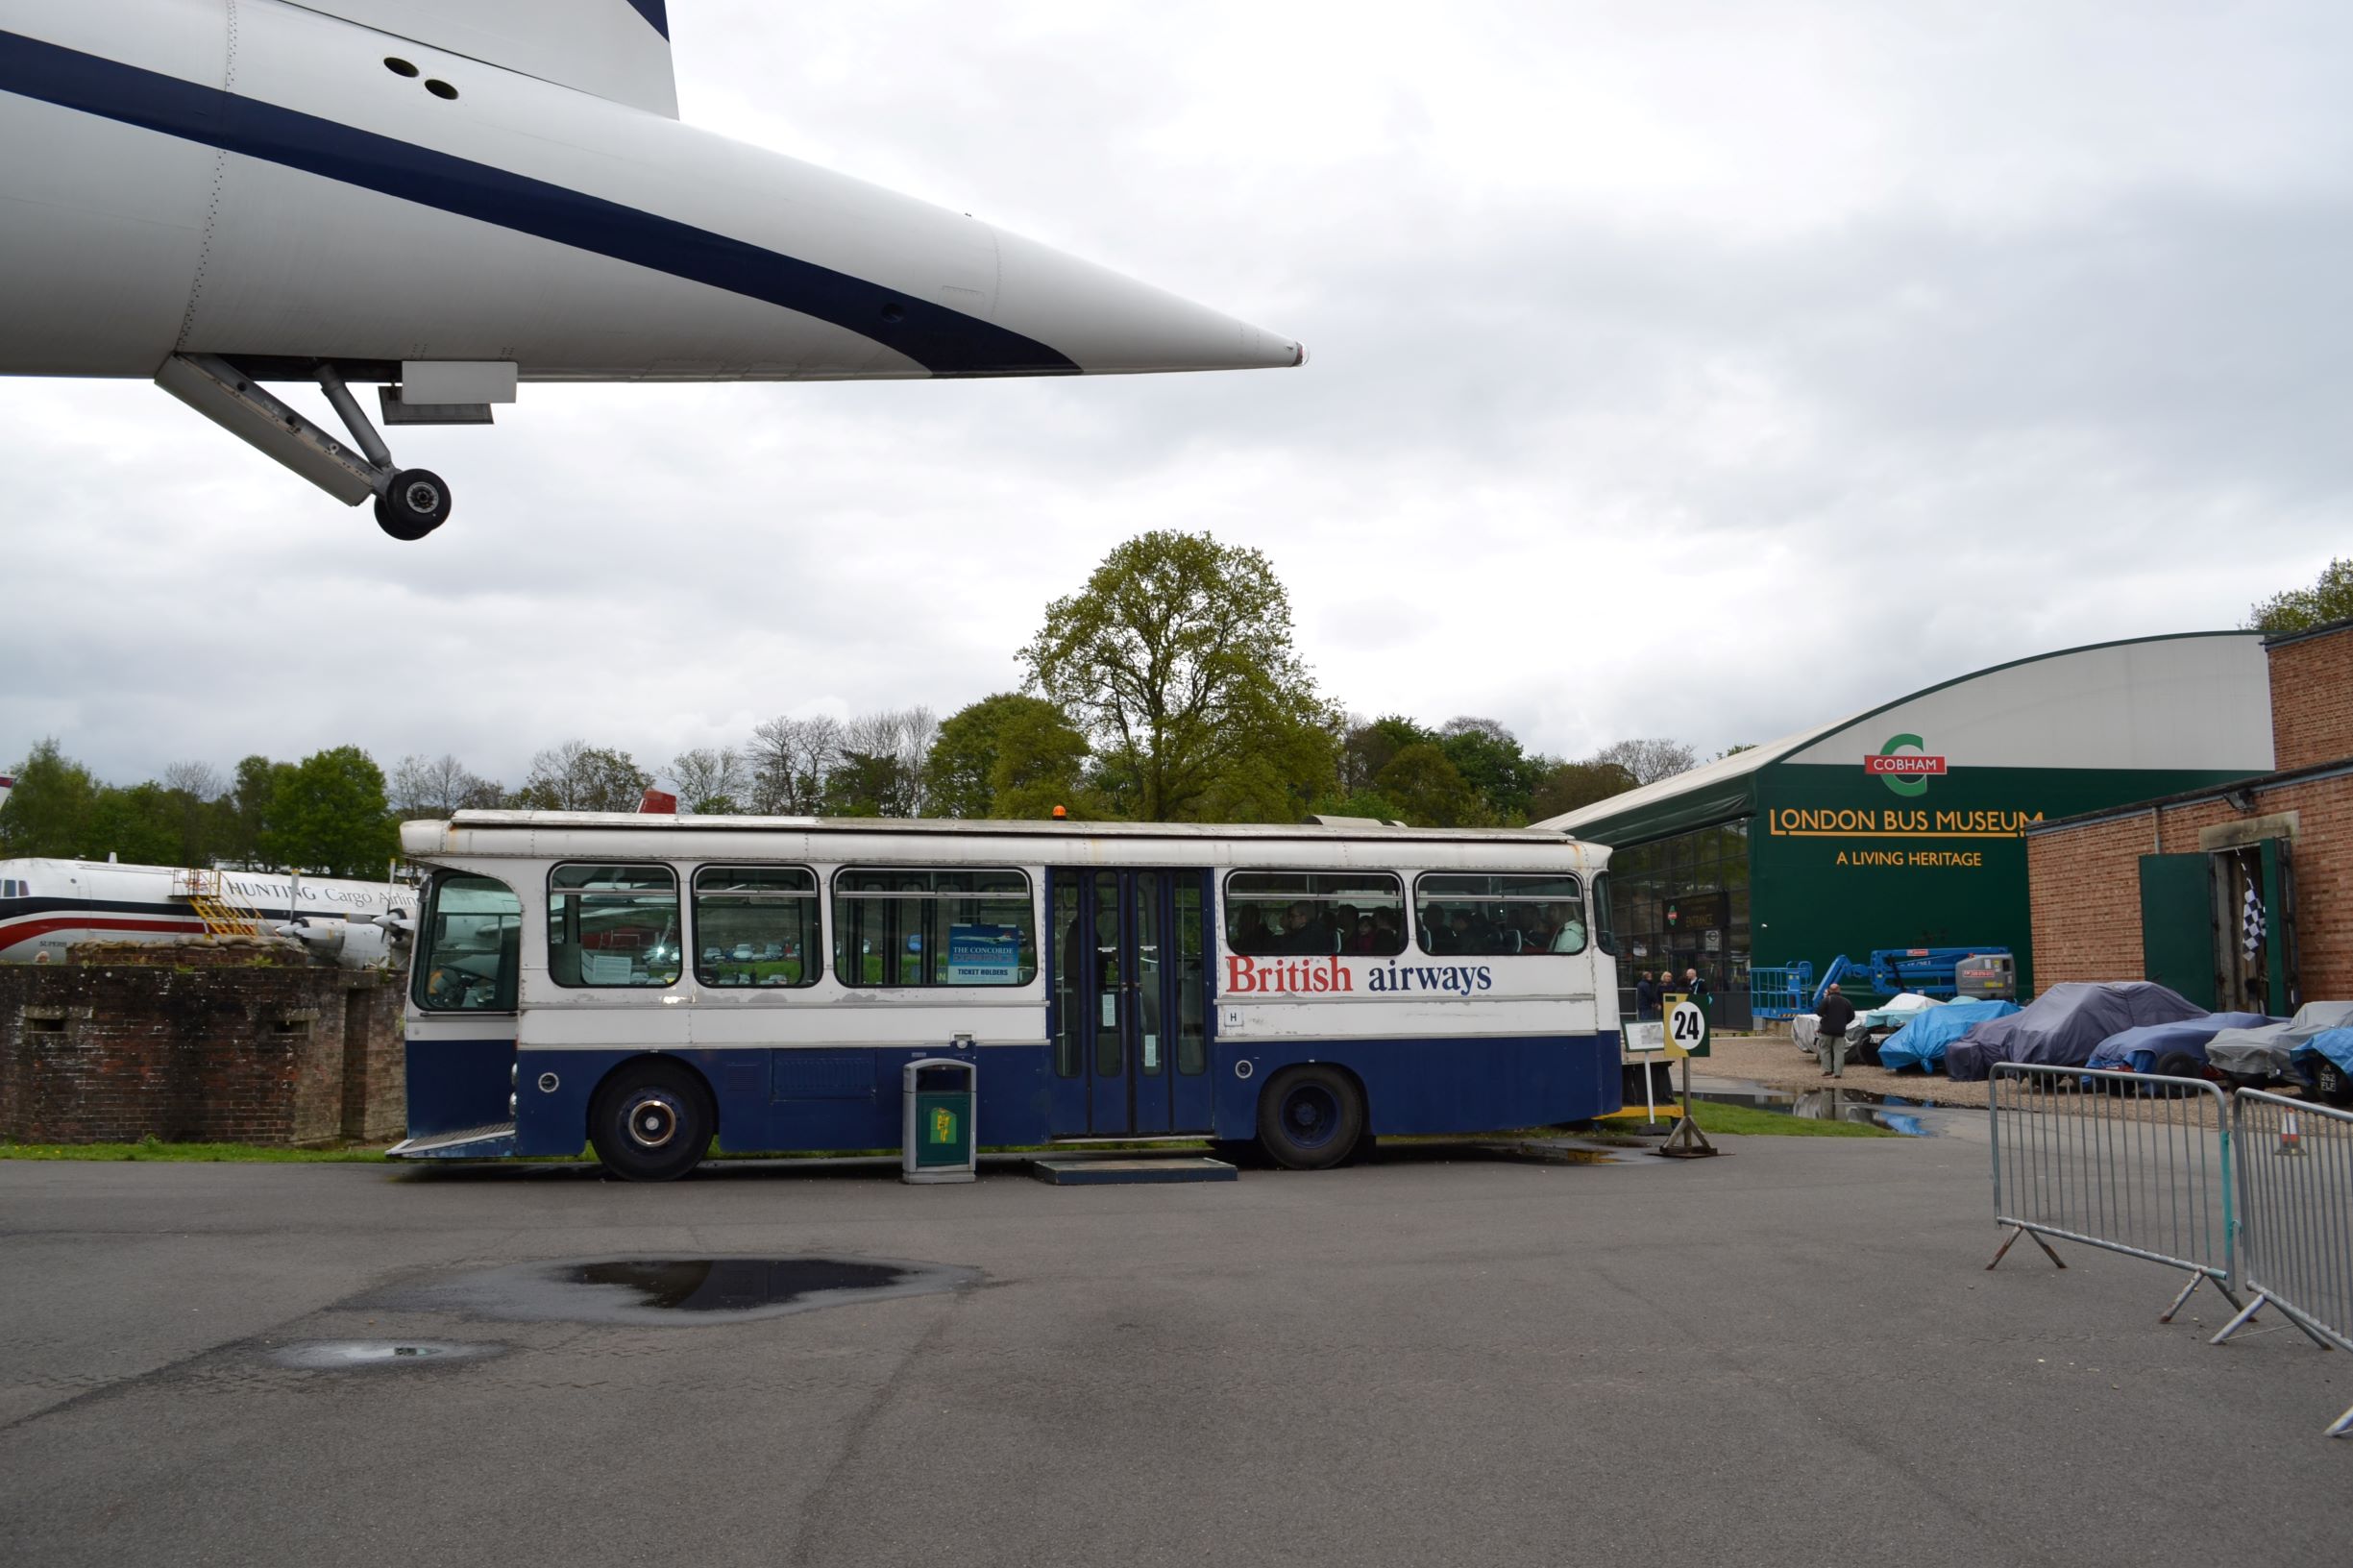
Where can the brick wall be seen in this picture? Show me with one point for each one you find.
(2084, 882)
(2311, 698)
(113, 1052)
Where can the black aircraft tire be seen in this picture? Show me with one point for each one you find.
(651, 1122)
(415, 503)
(1310, 1118)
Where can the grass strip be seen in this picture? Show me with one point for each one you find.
(1746, 1120)
(153, 1150)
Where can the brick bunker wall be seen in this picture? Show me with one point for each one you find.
(2311, 699)
(108, 1052)
(2085, 885)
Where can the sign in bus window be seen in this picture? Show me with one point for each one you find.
(755, 925)
(1502, 913)
(917, 927)
(613, 925)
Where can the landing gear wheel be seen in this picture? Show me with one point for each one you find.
(651, 1122)
(1311, 1117)
(413, 505)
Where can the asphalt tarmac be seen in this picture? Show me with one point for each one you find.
(1789, 1356)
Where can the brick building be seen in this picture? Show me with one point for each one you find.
(187, 1046)
(2159, 889)
(1904, 825)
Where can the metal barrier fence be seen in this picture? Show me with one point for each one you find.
(2128, 1161)
(2296, 1217)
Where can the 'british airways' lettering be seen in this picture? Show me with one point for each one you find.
(1247, 977)
(1462, 979)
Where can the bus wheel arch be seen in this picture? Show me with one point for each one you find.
(652, 1119)
(1312, 1116)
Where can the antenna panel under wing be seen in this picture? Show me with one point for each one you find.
(617, 49)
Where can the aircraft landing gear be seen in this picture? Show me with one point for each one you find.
(410, 503)
(413, 504)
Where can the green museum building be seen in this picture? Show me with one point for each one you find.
(1904, 825)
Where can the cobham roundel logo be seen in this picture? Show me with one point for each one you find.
(1906, 771)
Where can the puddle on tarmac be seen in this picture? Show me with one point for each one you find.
(736, 1285)
(673, 1290)
(1911, 1117)
(356, 1355)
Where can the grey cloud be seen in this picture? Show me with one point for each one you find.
(2047, 349)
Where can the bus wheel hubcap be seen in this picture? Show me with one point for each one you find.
(652, 1123)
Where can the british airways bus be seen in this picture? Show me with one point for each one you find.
(649, 985)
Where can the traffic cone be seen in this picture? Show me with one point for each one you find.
(2290, 1138)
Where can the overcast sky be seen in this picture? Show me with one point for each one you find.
(1691, 369)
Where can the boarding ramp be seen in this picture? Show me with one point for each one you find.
(225, 915)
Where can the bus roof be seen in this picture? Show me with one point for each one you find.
(564, 835)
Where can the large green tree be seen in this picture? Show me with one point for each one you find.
(2299, 609)
(329, 814)
(1005, 755)
(1570, 785)
(1491, 762)
(142, 825)
(252, 794)
(49, 811)
(862, 784)
(1176, 660)
(1429, 791)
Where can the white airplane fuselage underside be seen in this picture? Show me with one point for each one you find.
(167, 186)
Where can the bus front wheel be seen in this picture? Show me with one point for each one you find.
(1311, 1117)
(651, 1122)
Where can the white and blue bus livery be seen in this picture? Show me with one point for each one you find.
(648, 984)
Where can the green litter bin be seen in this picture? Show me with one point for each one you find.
(936, 1143)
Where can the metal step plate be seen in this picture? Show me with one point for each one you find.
(1120, 1172)
(492, 1143)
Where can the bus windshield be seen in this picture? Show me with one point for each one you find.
(472, 952)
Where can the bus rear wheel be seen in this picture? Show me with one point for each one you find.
(1310, 1119)
(651, 1122)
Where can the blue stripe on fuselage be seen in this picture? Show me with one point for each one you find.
(942, 341)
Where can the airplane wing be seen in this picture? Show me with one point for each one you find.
(617, 49)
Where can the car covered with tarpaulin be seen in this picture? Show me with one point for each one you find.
(1921, 1042)
(2064, 1025)
(2326, 1062)
(2261, 1054)
(2177, 1050)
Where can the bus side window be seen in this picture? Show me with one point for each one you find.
(613, 925)
(472, 955)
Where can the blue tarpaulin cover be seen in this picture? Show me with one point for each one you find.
(1921, 1042)
(2064, 1025)
(2137, 1050)
(2333, 1045)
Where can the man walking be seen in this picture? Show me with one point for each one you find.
(1830, 1042)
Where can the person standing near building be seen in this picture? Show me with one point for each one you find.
(1694, 988)
(1836, 1013)
(1646, 996)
